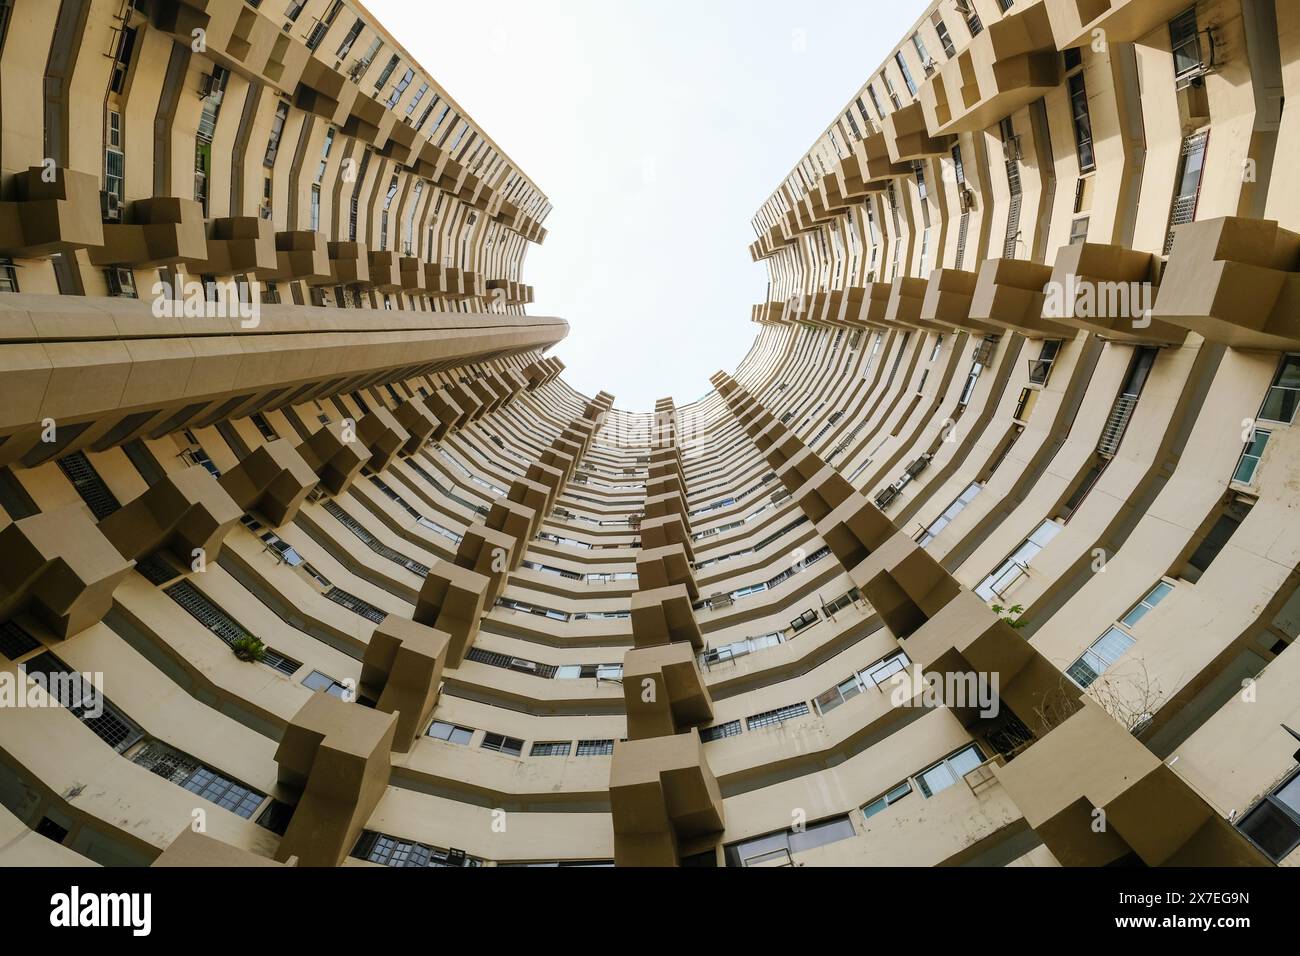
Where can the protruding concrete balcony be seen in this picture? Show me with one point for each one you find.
(322, 90)
(366, 118)
(514, 519)
(664, 531)
(534, 496)
(242, 244)
(664, 485)
(947, 302)
(799, 468)
(1092, 762)
(334, 758)
(1009, 65)
(871, 166)
(561, 456)
(349, 264)
(854, 529)
(824, 491)
(161, 231)
(451, 283)
(1108, 290)
(1075, 22)
(506, 290)
(452, 600)
(51, 217)
(1236, 282)
(906, 299)
(872, 305)
(542, 371)
(272, 481)
(401, 674)
(420, 424)
(1009, 296)
(385, 272)
(904, 584)
(469, 403)
(661, 793)
(187, 514)
(301, 256)
(416, 276)
(402, 143)
(778, 444)
(448, 411)
(907, 137)
(508, 383)
(238, 33)
(491, 554)
(335, 454)
(548, 476)
(663, 691)
(381, 433)
(67, 588)
(665, 616)
(482, 389)
(193, 850)
(657, 506)
(664, 567)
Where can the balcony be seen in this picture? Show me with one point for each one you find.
(490, 554)
(1234, 281)
(1009, 296)
(187, 513)
(664, 567)
(272, 481)
(662, 794)
(48, 218)
(380, 433)
(333, 453)
(349, 264)
(402, 672)
(1008, 66)
(908, 138)
(161, 231)
(947, 302)
(1110, 291)
(334, 759)
(1075, 22)
(906, 298)
(301, 256)
(679, 698)
(665, 616)
(1091, 762)
(242, 244)
(68, 588)
(854, 529)
(452, 600)
(664, 531)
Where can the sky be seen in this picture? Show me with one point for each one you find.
(656, 128)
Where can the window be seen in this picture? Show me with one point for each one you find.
(1082, 124)
(391, 851)
(595, 748)
(776, 849)
(350, 39)
(773, 718)
(1274, 824)
(122, 62)
(951, 512)
(560, 748)
(451, 733)
(1191, 165)
(1104, 652)
(387, 71)
(415, 100)
(8, 276)
(1216, 540)
(277, 130)
(1284, 394)
(1017, 565)
(919, 45)
(944, 38)
(907, 74)
(1158, 594)
(875, 101)
(322, 26)
(949, 770)
(1040, 369)
(1185, 42)
(400, 88)
(1079, 230)
(729, 729)
(1249, 464)
(318, 681)
(511, 746)
(315, 207)
(887, 799)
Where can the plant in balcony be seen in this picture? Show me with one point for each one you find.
(1011, 614)
(248, 648)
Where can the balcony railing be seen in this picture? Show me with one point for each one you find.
(1116, 425)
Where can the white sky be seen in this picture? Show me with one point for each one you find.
(656, 128)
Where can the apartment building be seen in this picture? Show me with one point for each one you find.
(985, 554)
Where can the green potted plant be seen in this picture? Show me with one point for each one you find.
(248, 648)
(1010, 614)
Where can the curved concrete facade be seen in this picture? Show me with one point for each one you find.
(986, 554)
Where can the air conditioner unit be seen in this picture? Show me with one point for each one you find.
(121, 282)
(1011, 149)
(209, 85)
(110, 206)
(966, 198)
